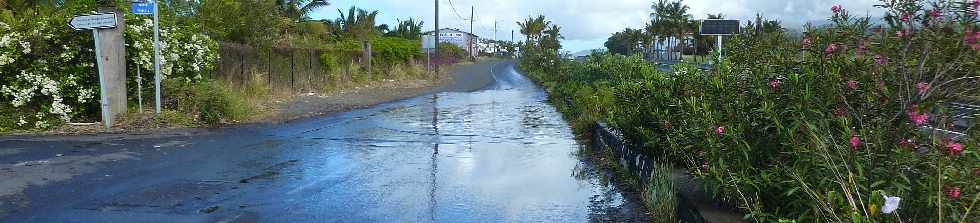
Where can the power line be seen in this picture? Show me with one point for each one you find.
(452, 6)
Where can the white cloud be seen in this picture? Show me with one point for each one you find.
(587, 23)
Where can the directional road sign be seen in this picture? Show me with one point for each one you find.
(143, 8)
(93, 21)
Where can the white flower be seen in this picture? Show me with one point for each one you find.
(84, 95)
(891, 204)
(5, 40)
(26, 46)
(22, 122)
(4, 60)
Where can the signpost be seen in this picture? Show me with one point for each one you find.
(428, 42)
(156, 55)
(719, 28)
(95, 22)
(142, 7)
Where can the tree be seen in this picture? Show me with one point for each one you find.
(674, 18)
(625, 42)
(408, 29)
(359, 24)
(532, 28)
(299, 10)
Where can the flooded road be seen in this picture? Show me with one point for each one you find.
(501, 154)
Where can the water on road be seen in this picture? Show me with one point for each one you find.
(502, 154)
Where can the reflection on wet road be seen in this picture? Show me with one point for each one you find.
(497, 155)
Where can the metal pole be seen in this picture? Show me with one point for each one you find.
(106, 113)
(156, 53)
(139, 86)
(719, 47)
(437, 39)
(473, 36)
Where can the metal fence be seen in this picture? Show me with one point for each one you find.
(281, 68)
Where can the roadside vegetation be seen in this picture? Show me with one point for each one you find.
(843, 123)
(48, 78)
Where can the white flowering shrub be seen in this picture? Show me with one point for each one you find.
(185, 54)
(45, 74)
(48, 75)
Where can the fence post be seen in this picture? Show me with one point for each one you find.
(269, 68)
(309, 72)
(241, 73)
(292, 70)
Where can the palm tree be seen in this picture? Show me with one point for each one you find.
(678, 17)
(408, 29)
(299, 10)
(552, 38)
(532, 28)
(359, 24)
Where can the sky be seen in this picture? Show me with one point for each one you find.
(586, 24)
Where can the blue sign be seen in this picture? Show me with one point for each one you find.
(143, 8)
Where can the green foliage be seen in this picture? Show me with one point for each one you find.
(210, 102)
(452, 51)
(392, 50)
(818, 134)
(408, 29)
(626, 42)
(244, 21)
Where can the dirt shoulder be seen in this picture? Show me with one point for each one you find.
(461, 77)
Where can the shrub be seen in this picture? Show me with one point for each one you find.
(819, 128)
(210, 102)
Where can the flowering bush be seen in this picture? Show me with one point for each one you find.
(847, 123)
(48, 74)
(44, 74)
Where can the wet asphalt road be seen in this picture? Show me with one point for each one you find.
(501, 154)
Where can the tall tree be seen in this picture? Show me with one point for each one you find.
(533, 28)
(299, 10)
(408, 29)
(360, 24)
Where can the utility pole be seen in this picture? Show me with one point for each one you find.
(473, 38)
(496, 45)
(437, 38)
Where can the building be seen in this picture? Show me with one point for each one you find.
(466, 41)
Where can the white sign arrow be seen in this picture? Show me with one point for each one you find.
(93, 21)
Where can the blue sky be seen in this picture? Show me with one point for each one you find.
(587, 23)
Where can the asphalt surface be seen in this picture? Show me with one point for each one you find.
(497, 154)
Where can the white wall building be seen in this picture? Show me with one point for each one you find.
(459, 38)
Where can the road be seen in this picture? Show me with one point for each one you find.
(500, 154)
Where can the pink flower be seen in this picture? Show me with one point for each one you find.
(881, 60)
(720, 130)
(704, 165)
(972, 38)
(836, 8)
(852, 84)
(807, 42)
(923, 87)
(855, 141)
(953, 192)
(954, 148)
(775, 84)
(903, 33)
(905, 17)
(935, 13)
(830, 49)
(700, 153)
(916, 117)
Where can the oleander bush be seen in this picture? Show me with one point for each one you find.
(846, 123)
